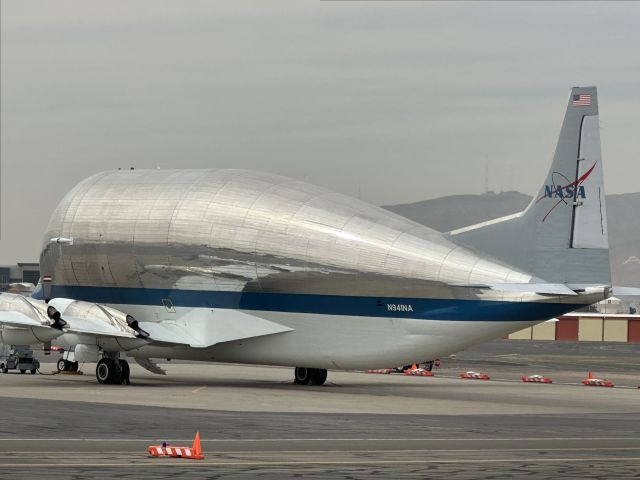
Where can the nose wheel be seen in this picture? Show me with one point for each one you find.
(313, 376)
(67, 366)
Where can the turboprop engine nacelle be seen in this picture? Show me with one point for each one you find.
(92, 323)
(45, 324)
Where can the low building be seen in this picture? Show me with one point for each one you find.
(23, 272)
(585, 327)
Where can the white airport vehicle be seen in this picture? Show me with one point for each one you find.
(18, 357)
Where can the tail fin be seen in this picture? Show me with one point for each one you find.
(562, 235)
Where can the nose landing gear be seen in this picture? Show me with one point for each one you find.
(67, 366)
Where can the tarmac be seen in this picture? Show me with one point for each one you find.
(255, 423)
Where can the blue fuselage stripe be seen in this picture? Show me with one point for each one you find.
(415, 308)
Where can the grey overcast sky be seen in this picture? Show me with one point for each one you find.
(400, 101)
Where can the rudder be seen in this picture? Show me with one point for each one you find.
(562, 235)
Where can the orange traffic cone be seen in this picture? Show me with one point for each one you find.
(197, 449)
(414, 367)
(166, 450)
(590, 376)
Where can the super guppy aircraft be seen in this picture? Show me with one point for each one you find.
(249, 267)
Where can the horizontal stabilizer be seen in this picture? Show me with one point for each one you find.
(535, 288)
(203, 328)
(626, 290)
(538, 288)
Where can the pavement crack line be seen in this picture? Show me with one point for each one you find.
(196, 464)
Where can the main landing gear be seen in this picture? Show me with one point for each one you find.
(313, 376)
(112, 371)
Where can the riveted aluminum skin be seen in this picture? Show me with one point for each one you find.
(239, 231)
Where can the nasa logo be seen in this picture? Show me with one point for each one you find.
(399, 307)
(563, 189)
(551, 191)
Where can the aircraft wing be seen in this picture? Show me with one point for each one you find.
(204, 328)
(83, 326)
(92, 326)
(198, 328)
(18, 328)
(19, 320)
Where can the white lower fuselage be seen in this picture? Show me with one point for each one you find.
(324, 341)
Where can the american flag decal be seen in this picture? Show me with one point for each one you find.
(581, 100)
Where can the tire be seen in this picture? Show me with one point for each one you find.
(33, 371)
(318, 376)
(62, 365)
(126, 371)
(118, 378)
(3, 368)
(302, 376)
(106, 371)
(73, 366)
(22, 370)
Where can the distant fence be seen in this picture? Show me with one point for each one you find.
(588, 327)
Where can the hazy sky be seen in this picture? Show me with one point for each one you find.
(400, 101)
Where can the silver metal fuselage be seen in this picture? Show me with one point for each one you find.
(359, 285)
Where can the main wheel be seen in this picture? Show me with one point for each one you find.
(318, 376)
(124, 365)
(302, 376)
(107, 371)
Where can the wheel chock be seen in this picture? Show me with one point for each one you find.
(536, 379)
(418, 372)
(165, 450)
(470, 375)
(591, 381)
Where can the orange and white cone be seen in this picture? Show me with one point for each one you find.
(192, 453)
(197, 449)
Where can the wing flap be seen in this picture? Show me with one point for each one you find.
(152, 367)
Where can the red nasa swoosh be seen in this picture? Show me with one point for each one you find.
(572, 184)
